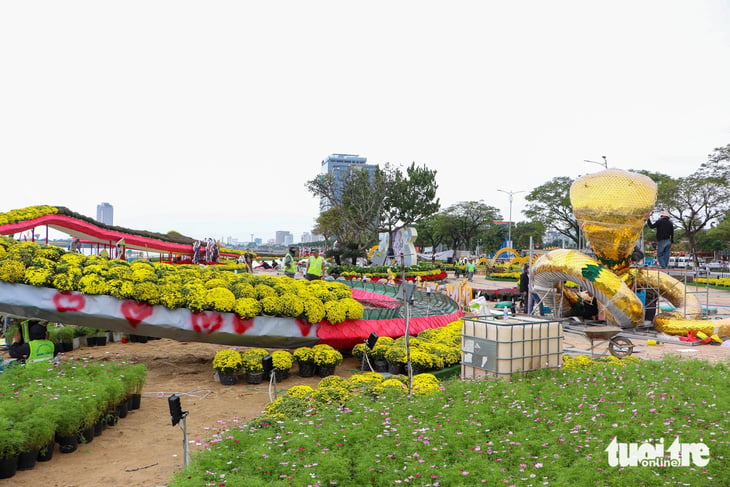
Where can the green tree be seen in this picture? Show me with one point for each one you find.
(549, 204)
(717, 238)
(430, 233)
(698, 199)
(463, 222)
(711, 241)
(409, 198)
(354, 211)
(330, 224)
(386, 200)
(492, 237)
(522, 232)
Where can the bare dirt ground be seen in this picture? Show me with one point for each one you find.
(144, 449)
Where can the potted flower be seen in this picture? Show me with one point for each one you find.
(326, 358)
(397, 358)
(380, 363)
(68, 418)
(227, 363)
(135, 377)
(101, 337)
(282, 360)
(305, 358)
(421, 361)
(358, 351)
(89, 335)
(253, 365)
(10, 331)
(11, 442)
(65, 336)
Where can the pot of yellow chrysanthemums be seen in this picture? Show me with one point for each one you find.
(253, 365)
(282, 361)
(227, 363)
(421, 361)
(326, 358)
(380, 362)
(397, 358)
(305, 358)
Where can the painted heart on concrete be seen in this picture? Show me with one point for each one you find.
(304, 327)
(68, 301)
(135, 312)
(241, 325)
(206, 321)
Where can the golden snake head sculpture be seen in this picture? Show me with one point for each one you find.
(611, 207)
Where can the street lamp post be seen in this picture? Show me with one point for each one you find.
(604, 163)
(509, 223)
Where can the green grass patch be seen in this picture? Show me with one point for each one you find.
(550, 427)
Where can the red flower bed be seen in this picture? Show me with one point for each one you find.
(435, 277)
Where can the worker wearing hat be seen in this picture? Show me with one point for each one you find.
(36, 347)
(664, 237)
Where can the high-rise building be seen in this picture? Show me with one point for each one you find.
(283, 237)
(340, 166)
(105, 214)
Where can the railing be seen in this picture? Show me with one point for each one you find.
(424, 303)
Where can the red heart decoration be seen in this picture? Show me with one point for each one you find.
(240, 325)
(68, 301)
(304, 327)
(206, 321)
(135, 312)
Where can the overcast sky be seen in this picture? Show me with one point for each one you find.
(208, 117)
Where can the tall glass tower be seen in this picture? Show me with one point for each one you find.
(105, 214)
(340, 165)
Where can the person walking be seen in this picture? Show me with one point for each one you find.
(664, 237)
(290, 267)
(315, 266)
(471, 268)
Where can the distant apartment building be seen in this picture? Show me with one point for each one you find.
(283, 238)
(105, 214)
(340, 166)
(306, 237)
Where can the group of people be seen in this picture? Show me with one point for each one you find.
(470, 267)
(314, 265)
(211, 251)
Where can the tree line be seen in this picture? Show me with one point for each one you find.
(365, 203)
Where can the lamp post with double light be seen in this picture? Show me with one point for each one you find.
(509, 222)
